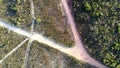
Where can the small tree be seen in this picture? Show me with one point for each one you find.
(97, 14)
(87, 6)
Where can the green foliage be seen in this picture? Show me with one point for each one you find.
(97, 14)
(95, 5)
(11, 9)
(116, 46)
(118, 66)
(84, 16)
(87, 6)
(18, 1)
(110, 60)
(38, 20)
(119, 28)
(91, 10)
(102, 31)
(1, 1)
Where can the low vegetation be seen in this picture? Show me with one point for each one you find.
(52, 22)
(49, 21)
(99, 25)
(49, 18)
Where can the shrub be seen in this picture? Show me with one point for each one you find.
(38, 20)
(87, 6)
(118, 66)
(119, 28)
(97, 14)
(95, 5)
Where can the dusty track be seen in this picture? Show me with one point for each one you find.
(75, 52)
(30, 40)
(78, 50)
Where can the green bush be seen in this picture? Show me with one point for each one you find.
(87, 6)
(119, 28)
(97, 14)
(95, 5)
(116, 46)
(38, 20)
(118, 66)
(104, 32)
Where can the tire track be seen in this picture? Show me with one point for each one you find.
(18, 46)
(32, 30)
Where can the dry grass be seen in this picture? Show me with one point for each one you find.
(53, 25)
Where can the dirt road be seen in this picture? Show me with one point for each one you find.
(78, 50)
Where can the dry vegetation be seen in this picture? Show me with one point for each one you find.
(49, 21)
(53, 24)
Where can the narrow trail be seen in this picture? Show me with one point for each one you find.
(18, 46)
(27, 54)
(30, 40)
(34, 36)
(71, 20)
(78, 50)
(74, 51)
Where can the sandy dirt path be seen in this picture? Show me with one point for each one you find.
(78, 50)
